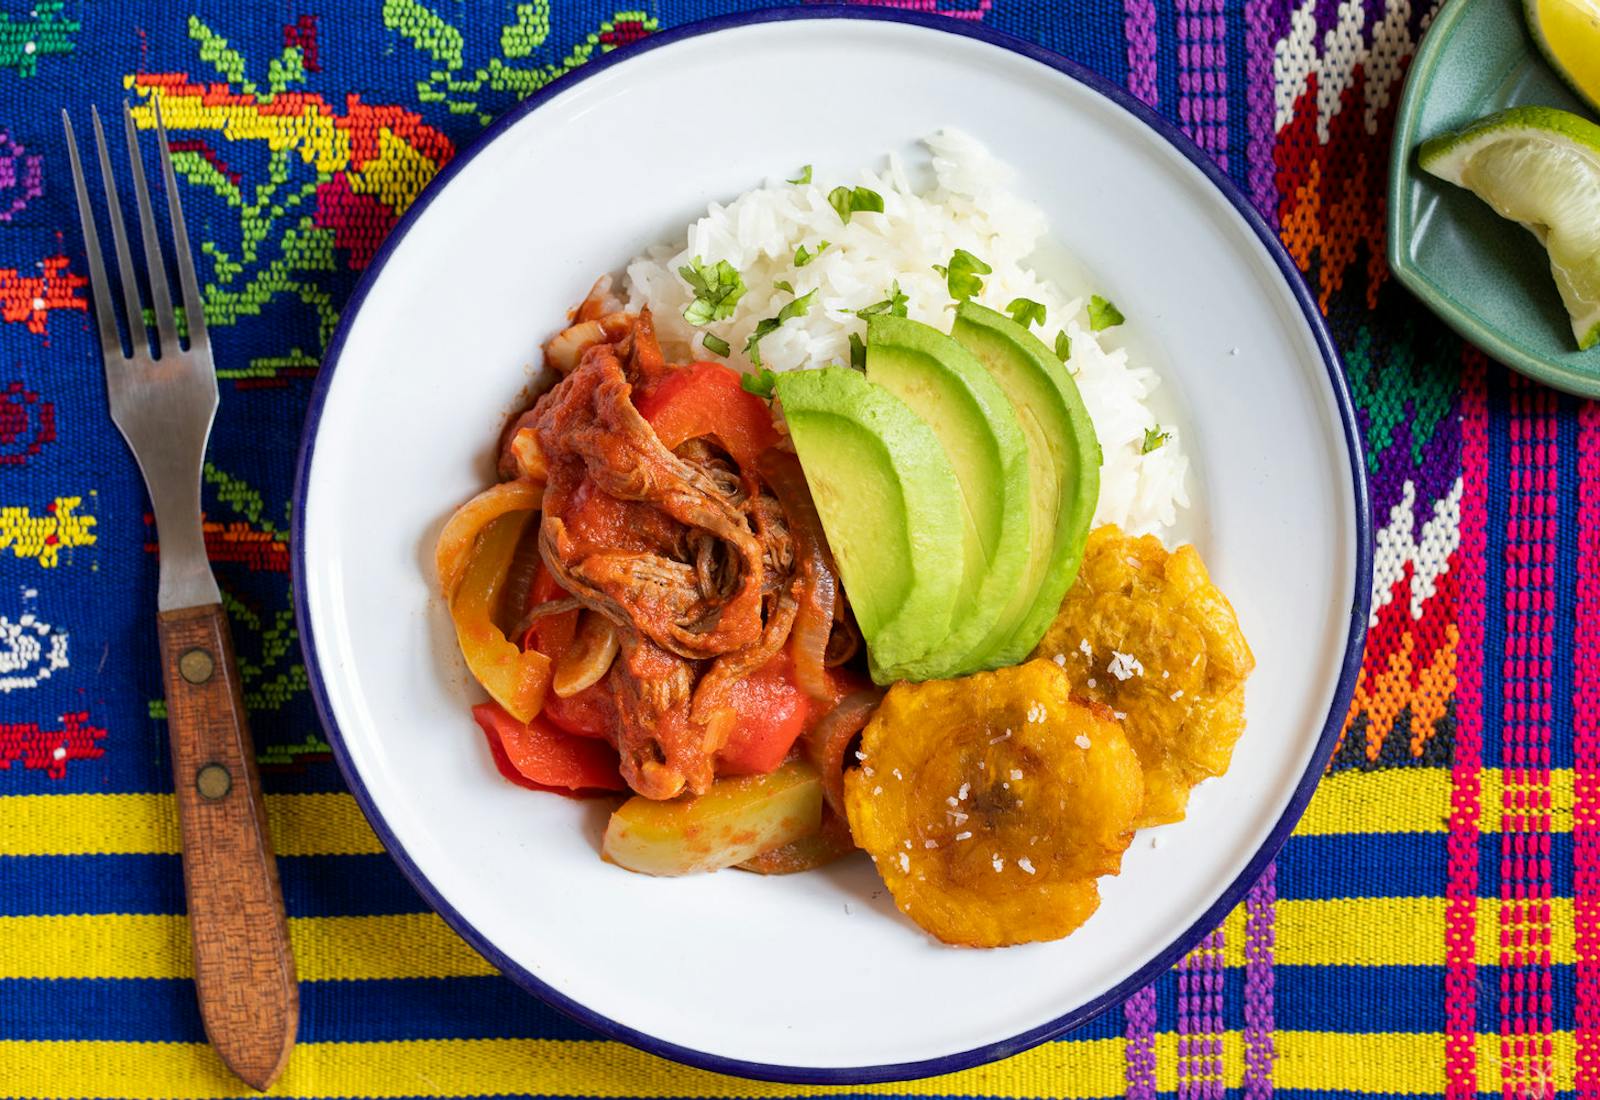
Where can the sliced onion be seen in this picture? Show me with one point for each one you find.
(819, 585)
(828, 740)
(454, 548)
(594, 646)
(517, 586)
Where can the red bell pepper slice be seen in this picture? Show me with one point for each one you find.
(706, 399)
(769, 714)
(538, 755)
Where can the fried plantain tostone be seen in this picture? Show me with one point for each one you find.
(992, 803)
(1146, 633)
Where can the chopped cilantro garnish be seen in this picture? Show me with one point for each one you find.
(784, 284)
(802, 256)
(760, 383)
(804, 177)
(797, 308)
(715, 344)
(858, 200)
(1026, 312)
(1103, 314)
(894, 304)
(1153, 439)
(717, 289)
(1063, 346)
(962, 273)
(765, 327)
(752, 348)
(858, 352)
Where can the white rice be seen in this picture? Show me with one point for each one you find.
(971, 206)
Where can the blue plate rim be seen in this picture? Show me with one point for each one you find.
(1181, 944)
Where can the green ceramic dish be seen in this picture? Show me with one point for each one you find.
(1486, 277)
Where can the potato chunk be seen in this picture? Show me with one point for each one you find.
(737, 819)
(992, 803)
(1146, 633)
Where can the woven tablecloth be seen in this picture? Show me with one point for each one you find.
(1432, 927)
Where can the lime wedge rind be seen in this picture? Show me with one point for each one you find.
(1535, 19)
(1540, 167)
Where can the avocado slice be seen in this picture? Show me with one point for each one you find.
(889, 504)
(1063, 462)
(949, 389)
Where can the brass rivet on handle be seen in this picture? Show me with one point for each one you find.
(196, 665)
(213, 781)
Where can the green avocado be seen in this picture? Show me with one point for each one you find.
(1063, 462)
(949, 389)
(889, 504)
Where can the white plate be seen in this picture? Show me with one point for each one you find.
(814, 977)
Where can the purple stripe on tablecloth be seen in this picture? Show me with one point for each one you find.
(1139, 1011)
(1200, 1025)
(1261, 111)
(1203, 75)
(1261, 910)
(1140, 29)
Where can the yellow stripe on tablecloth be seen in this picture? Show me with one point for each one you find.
(1394, 932)
(1325, 932)
(411, 945)
(141, 824)
(1385, 932)
(1315, 1060)
(1397, 800)
(1415, 800)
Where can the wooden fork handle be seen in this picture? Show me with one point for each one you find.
(243, 968)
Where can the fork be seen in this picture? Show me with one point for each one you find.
(164, 403)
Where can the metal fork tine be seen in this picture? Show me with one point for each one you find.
(193, 309)
(160, 295)
(110, 340)
(137, 337)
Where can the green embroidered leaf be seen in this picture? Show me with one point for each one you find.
(427, 31)
(528, 31)
(288, 68)
(215, 52)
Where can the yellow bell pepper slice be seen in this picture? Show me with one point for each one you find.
(515, 678)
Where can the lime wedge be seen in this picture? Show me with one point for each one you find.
(1567, 32)
(1539, 167)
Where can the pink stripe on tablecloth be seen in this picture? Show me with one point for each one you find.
(1532, 529)
(1461, 892)
(1139, 27)
(1586, 761)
